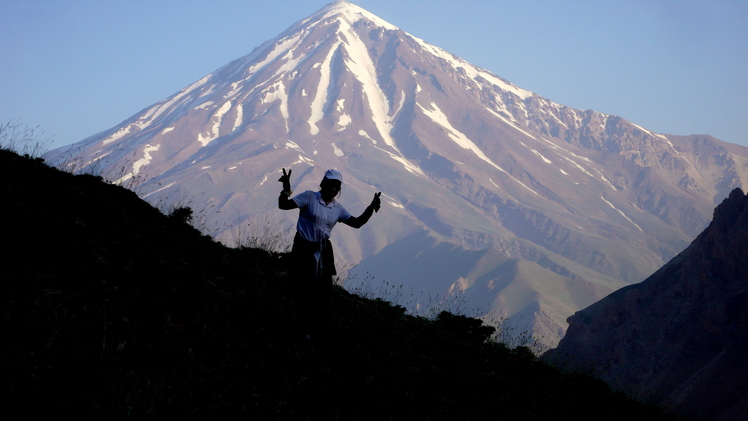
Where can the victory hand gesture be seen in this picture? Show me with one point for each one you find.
(286, 180)
(376, 203)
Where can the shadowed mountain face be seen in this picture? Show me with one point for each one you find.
(556, 207)
(679, 337)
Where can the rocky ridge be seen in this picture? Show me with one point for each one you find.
(679, 337)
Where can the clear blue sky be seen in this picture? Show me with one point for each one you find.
(77, 67)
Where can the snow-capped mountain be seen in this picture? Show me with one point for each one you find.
(514, 205)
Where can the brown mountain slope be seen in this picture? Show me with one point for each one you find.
(679, 337)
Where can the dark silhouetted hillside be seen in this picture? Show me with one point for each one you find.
(111, 310)
(679, 337)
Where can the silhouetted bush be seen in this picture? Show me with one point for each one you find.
(467, 328)
(183, 214)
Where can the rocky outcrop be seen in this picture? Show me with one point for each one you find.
(678, 338)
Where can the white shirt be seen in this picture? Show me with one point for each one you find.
(316, 218)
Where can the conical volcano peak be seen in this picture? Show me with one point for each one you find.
(351, 12)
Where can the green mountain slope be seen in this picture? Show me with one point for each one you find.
(111, 309)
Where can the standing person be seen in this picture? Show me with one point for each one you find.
(313, 262)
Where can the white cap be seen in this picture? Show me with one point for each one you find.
(334, 175)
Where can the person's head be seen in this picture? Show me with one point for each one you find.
(331, 184)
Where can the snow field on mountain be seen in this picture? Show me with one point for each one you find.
(622, 214)
(437, 116)
(140, 163)
(353, 14)
(320, 97)
(546, 160)
(214, 131)
(362, 67)
(278, 92)
(472, 71)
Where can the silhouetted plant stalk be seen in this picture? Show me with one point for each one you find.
(255, 231)
(23, 139)
(121, 173)
(429, 306)
(261, 231)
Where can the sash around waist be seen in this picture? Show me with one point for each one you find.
(314, 256)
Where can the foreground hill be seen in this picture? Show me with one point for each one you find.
(679, 337)
(111, 309)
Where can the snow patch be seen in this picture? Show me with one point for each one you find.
(234, 89)
(351, 13)
(555, 146)
(622, 214)
(605, 179)
(658, 136)
(320, 96)
(512, 122)
(239, 117)
(291, 62)
(344, 120)
(155, 111)
(579, 167)
(302, 160)
(294, 145)
(161, 189)
(337, 150)
(140, 163)
(167, 130)
(366, 135)
(362, 66)
(546, 160)
(277, 92)
(216, 119)
(400, 105)
(407, 164)
(279, 48)
(458, 137)
(472, 71)
(117, 135)
(438, 117)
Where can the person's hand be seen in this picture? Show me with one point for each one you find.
(286, 180)
(376, 203)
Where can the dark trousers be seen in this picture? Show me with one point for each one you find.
(311, 284)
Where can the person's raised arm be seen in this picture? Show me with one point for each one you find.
(359, 221)
(284, 200)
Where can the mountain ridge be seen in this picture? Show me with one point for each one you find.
(677, 338)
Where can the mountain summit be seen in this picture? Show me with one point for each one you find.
(494, 198)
